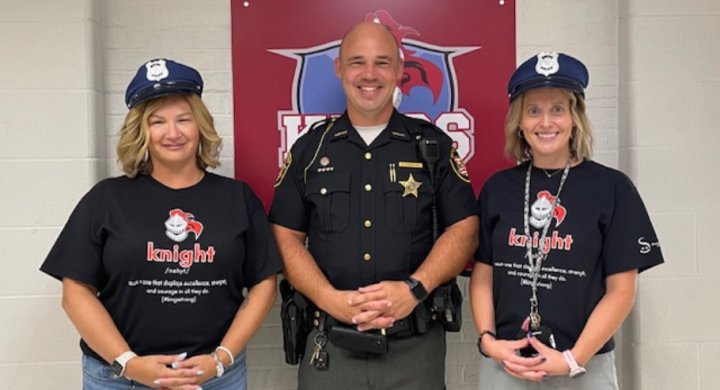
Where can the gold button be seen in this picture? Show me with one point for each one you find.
(316, 323)
(367, 257)
(368, 187)
(368, 223)
(368, 156)
(323, 191)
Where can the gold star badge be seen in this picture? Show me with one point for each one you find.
(411, 186)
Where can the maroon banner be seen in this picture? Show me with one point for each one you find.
(459, 56)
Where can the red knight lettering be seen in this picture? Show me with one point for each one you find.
(515, 239)
(552, 242)
(185, 258)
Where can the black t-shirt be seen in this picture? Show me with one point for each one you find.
(600, 228)
(169, 265)
(367, 208)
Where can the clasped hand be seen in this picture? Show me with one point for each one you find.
(376, 306)
(548, 362)
(171, 372)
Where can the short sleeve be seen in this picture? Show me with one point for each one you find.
(77, 253)
(455, 195)
(262, 259)
(629, 241)
(288, 207)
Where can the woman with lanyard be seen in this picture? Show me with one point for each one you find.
(154, 262)
(562, 241)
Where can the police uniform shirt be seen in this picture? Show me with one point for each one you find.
(600, 228)
(169, 265)
(367, 209)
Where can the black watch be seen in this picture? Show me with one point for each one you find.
(417, 289)
(479, 343)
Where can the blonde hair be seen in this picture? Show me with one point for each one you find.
(581, 140)
(132, 147)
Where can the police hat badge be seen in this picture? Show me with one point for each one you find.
(549, 69)
(162, 77)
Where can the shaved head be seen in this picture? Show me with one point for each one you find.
(368, 28)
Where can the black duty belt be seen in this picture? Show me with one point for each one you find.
(401, 328)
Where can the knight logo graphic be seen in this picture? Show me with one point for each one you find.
(180, 224)
(542, 210)
(542, 213)
(178, 227)
(427, 89)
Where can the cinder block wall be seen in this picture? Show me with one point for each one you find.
(669, 95)
(66, 63)
(51, 89)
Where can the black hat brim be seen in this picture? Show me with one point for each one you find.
(556, 82)
(163, 89)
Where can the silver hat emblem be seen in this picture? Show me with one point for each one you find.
(547, 63)
(156, 70)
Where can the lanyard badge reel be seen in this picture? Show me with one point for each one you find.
(533, 324)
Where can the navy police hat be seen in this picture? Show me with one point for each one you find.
(548, 69)
(162, 77)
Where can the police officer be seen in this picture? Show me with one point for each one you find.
(361, 192)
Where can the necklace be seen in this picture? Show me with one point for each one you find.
(550, 175)
(535, 260)
(202, 174)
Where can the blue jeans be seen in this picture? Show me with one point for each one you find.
(98, 375)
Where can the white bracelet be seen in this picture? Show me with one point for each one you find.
(227, 351)
(219, 368)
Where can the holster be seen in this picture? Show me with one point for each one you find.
(296, 324)
(447, 305)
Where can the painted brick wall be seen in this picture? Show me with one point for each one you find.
(653, 66)
(670, 88)
(50, 103)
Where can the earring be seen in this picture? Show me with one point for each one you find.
(521, 134)
(147, 155)
(200, 149)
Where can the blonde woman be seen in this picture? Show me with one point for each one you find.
(562, 241)
(153, 263)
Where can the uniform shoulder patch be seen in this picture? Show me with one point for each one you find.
(284, 169)
(458, 165)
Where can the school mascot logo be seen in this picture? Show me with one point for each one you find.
(428, 87)
(180, 224)
(542, 211)
(177, 228)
